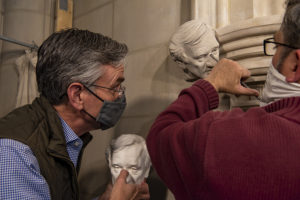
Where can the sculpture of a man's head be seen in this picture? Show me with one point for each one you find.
(195, 48)
(129, 152)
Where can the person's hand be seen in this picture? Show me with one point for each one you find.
(143, 193)
(107, 193)
(226, 77)
(122, 190)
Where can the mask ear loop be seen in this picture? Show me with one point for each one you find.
(93, 93)
(91, 116)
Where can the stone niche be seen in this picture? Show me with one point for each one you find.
(243, 42)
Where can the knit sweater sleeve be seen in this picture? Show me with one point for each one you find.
(178, 133)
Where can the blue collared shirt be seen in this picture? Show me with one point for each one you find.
(20, 175)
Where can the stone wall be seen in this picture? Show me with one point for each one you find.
(26, 21)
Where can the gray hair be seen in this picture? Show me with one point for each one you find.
(290, 27)
(127, 140)
(74, 55)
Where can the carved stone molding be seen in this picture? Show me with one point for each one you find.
(243, 42)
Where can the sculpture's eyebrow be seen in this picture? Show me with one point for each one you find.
(176, 59)
(205, 54)
(200, 56)
(135, 166)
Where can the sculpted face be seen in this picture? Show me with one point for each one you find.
(130, 158)
(194, 47)
(200, 58)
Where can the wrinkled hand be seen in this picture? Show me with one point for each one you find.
(126, 191)
(226, 77)
(143, 193)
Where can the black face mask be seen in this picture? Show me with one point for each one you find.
(110, 112)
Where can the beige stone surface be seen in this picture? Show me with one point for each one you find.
(267, 7)
(19, 27)
(144, 23)
(157, 77)
(40, 6)
(24, 21)
(147, 68)
(99, 20)
(82, 7)
(240, 10)
(204, 10)
(248, 28)
(222, 13)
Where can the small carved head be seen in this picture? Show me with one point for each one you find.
(129, 152)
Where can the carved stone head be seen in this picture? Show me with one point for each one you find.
(194, 47)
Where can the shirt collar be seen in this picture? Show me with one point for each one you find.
(70, 135)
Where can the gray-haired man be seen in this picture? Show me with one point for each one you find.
(79, 76)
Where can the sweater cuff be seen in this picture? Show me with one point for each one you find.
(210, 91)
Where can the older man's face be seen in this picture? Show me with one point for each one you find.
(132, 159)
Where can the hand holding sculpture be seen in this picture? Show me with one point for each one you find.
(195, 49)
(129, 152)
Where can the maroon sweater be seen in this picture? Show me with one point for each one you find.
(234, 155)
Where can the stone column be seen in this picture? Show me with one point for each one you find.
(26, 21)
(222, 13)
(267, 7)
(204, 10)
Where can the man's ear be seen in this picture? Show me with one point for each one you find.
(298, 58)
(74, 92)
(296, 74)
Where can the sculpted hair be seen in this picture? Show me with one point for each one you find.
(74, 55)
(290, 26)
(187, 36)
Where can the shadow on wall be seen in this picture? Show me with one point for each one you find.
(8, 80)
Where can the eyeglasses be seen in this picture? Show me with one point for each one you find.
(120, 90)
(270, 46)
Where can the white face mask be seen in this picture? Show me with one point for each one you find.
(277, 88)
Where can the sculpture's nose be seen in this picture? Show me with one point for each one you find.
(130, 179)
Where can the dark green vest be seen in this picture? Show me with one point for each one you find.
(38, 126)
